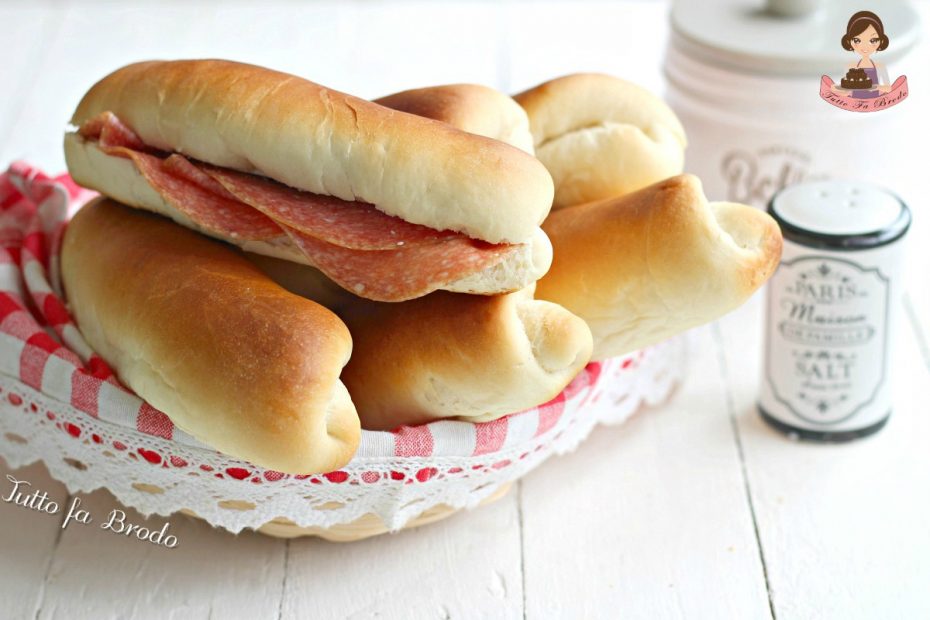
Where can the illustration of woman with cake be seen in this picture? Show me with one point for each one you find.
(865, 78)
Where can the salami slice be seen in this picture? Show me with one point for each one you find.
(354, 225)
(189, 190)
(181, 166)
(399, 275)
(210, 211)
(108, 130)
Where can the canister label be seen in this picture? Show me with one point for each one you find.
(827, 337)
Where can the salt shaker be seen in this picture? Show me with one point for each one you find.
(831, 310)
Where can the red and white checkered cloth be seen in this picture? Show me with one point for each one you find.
(41, 346)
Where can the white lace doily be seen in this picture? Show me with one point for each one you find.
(97, 454)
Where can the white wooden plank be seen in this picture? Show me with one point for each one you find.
(550, 39)
(843, 527)
(366, 49)
(25, 27)
(911, 155)
(307, 39)
(467, 566)
(916, 267)
(413, 44)
(27, 538)
(649, 519)
(210, 574)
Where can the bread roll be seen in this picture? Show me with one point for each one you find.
(648, 265)
(446, 355)
(601, 137)
(204, 336)
(480, 110)
(319, 140)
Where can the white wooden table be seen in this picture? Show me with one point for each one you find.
(692, 510)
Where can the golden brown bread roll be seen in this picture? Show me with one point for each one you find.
(305, 281)
(201, 334)
(319, 140)
(645, 266)
(601, 137)
(477, 109)
(466, 356)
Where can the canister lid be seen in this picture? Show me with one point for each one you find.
(840, 214)
(789, 37)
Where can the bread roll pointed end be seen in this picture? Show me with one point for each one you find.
(448, 355)
(645, 266)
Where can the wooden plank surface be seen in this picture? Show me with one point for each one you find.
(302, 38)
(467, 566)
(96, 573)
(648, 518)
(545, 41)
(32, 23)
(414, 44)
(843, 527)
(28, 540)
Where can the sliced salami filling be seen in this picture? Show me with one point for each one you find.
(108, 130)
(182, 185)
(370, 253)
(211, 211)
(355, 225)
(398, 275)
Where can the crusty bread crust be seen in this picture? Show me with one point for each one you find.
(601, 137)
(203, 335)
(477, 109)
(656, 262)
(448, 355)
(312, 138)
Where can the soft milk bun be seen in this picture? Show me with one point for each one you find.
(601, 137)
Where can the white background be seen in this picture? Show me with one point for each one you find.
(695, 509)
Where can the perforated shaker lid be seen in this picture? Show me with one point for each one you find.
(840, 214)
(788, 37)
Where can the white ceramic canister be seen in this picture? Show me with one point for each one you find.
(745, 80)
(832, 309)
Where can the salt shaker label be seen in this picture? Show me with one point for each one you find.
(826, 354)
(830, 310)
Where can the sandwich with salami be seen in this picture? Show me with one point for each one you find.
(389, 205)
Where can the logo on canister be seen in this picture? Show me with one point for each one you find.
(866, 86)
(831, 307)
